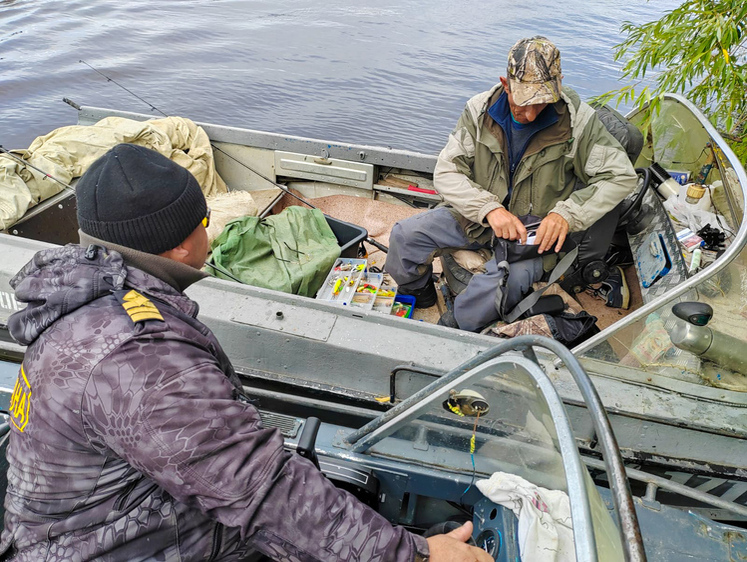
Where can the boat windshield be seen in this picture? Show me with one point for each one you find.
(516, 434)
(504, 416)
(682, 139)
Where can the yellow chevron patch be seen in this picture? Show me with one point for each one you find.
(139, 308)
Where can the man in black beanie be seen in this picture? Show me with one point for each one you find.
(139, 203)
(136, 441)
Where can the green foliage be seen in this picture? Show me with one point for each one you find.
(698, 49)
(739, 146)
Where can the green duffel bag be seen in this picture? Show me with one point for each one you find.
(290, 252)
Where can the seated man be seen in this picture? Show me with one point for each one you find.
(517, 151)
(137, 441)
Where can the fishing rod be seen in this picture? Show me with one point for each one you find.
(282, 187)
(28, 165)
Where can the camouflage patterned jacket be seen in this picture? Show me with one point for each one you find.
(131, 441)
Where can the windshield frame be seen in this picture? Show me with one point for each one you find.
(387, 424)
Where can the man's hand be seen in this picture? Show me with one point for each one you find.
(451, 547)
(505, 225)
(553, 228)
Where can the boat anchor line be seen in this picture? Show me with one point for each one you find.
(280, 186)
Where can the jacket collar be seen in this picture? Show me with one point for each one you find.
(178, 275)
(500, 112)
(492, 135)
(59, 280)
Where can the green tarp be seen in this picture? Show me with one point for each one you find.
(291, 252)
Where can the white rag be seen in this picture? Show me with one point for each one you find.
(545, 528)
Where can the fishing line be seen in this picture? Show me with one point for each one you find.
(154, 108)
(224, 271)
(108, 79)
(276, 184)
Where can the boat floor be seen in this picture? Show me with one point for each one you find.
(378, 218)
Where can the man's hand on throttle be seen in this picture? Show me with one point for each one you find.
(451, 547)
(552, 229)
(505, 225)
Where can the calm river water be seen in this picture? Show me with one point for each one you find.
(393, 73)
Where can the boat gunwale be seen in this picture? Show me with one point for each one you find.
(376, 155)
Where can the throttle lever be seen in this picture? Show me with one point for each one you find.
(307, 442)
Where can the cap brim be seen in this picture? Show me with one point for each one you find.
(532, 93)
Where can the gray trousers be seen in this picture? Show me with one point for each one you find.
(415, 242)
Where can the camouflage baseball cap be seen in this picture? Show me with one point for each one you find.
(534, 71)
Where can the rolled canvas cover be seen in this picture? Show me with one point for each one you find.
(67, 152)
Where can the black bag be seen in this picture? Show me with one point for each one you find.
(512, 251)
(509, 251)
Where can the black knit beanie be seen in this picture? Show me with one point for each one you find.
(136, 197)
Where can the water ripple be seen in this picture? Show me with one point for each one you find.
(396, 74)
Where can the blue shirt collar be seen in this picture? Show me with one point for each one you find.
(501, 114)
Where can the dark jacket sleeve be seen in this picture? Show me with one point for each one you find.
(169, 411)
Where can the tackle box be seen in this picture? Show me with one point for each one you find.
(350, 283)
(404, 306)
(342, 281)
(375, 292)
(367, 290)
(385, 297)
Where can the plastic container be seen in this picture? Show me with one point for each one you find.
(348, 236)
(697, 196)
(368, 288)
(342, 281)
(363, 300)
(668, 187)
(694, 194)
(407, 301)
(682, 177)
(383, 304)
(385, 297)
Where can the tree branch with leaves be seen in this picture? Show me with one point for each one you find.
(698, 49)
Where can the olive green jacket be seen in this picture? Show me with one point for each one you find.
(472, 170)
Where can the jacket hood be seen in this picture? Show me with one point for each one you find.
(58, 281)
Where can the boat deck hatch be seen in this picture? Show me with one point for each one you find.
(324, 169)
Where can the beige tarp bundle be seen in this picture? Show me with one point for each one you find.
(225, 207)
(67, 152)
